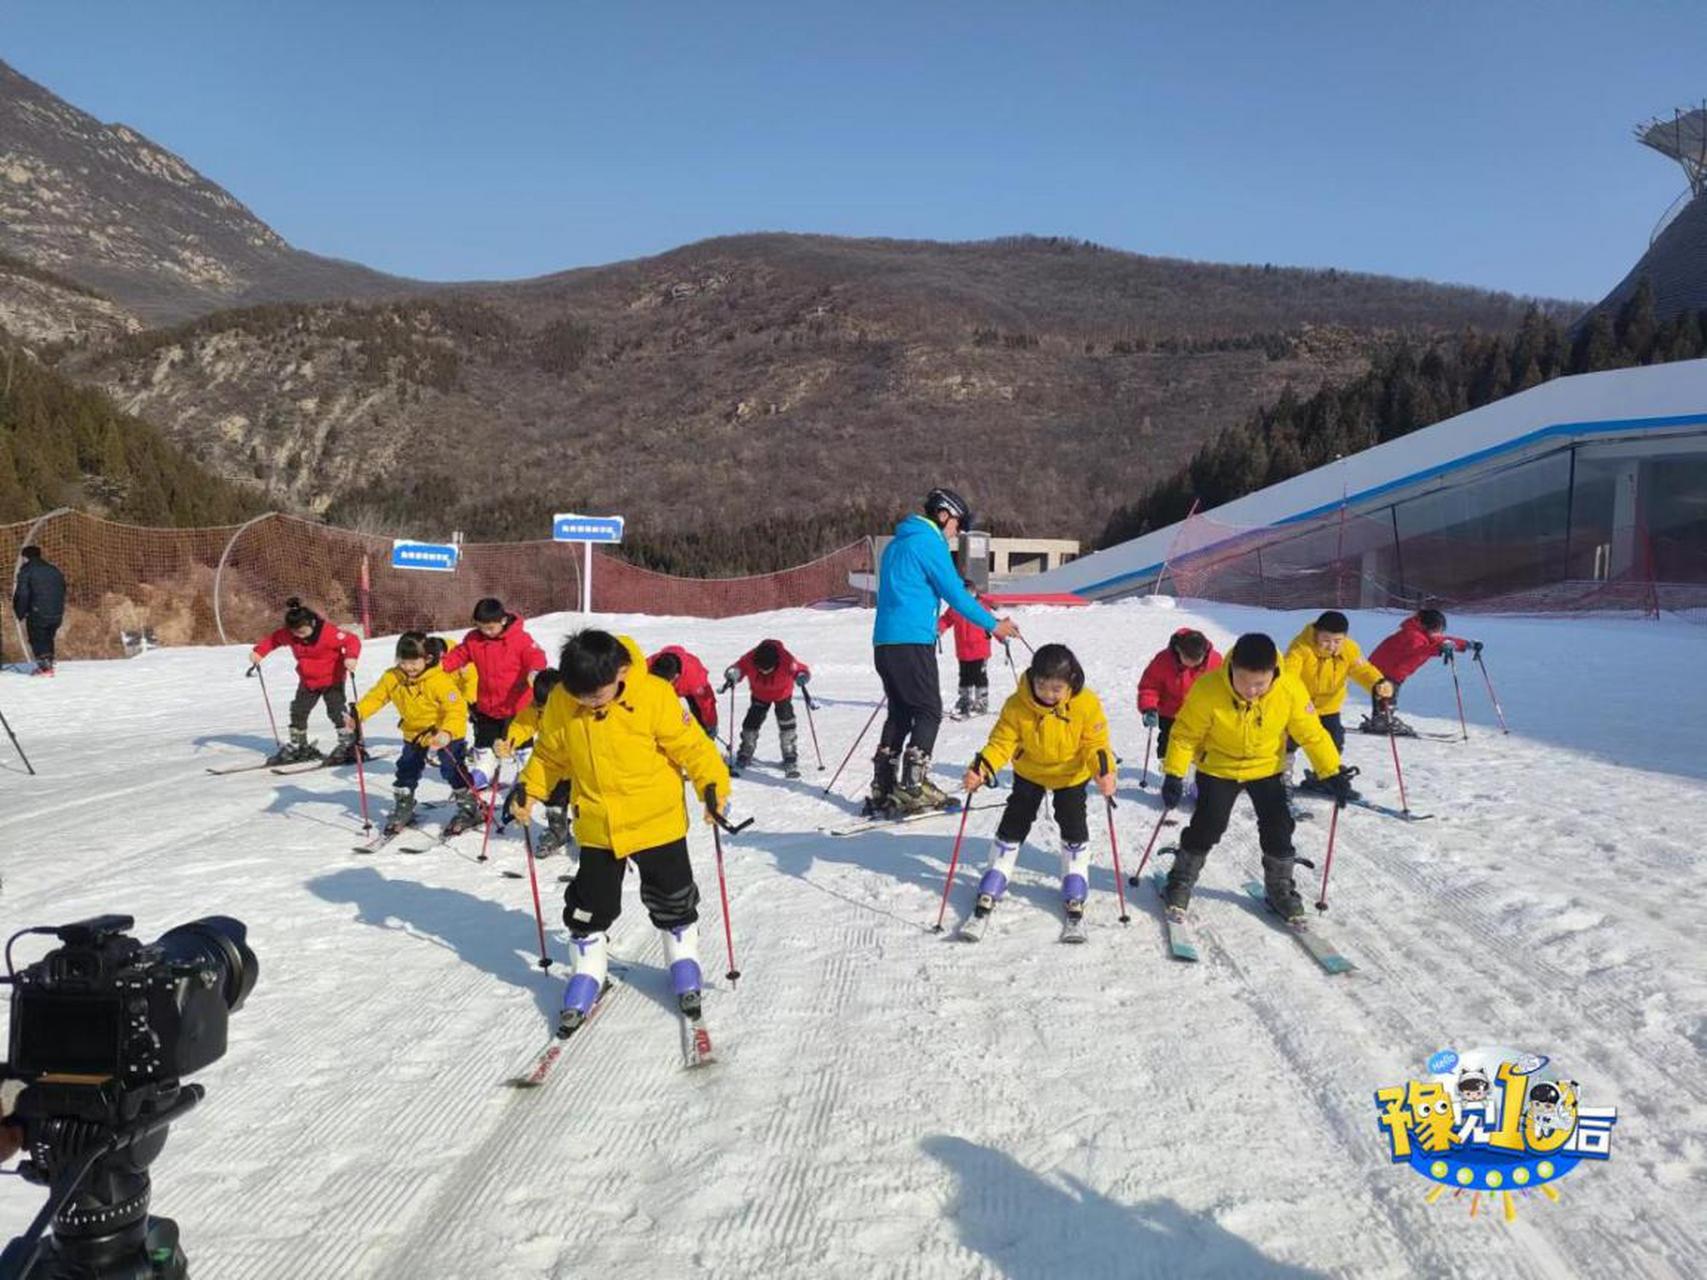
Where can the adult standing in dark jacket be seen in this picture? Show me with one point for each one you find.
(916, 576)
(39, 600)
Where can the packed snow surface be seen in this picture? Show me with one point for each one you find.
(891, 1102)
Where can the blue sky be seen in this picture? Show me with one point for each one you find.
(1487, 143)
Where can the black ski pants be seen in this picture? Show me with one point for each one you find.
(1164, 726)
(974, 674)
(487, 729)
(1336, 730)
(754, 720)
(41, 634)
(909, 676)
(337, 704)
(593, 900)
(1022, 806)
(1215, 797)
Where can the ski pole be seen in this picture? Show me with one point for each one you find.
(1012, 670)
(533, 879)
(361, 751)
(812, 724)
(734, 974)
(1452, 666)
(1144, 777)
(729, 742)
(1492, 696)
(1398, 770)
(1137, 877)
(1328, 865)
(953, 862)
(830, 785)
(491, 808)
(255, 670)
(1114, 848)
(15, 744)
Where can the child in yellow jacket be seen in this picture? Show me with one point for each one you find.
(1235, 725)
(620, 735)
(433, 717)
(524, 727)
(1326, 661)
(1054, 731)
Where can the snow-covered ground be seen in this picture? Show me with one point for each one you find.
(891, 1103)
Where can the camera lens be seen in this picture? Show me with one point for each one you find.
(223, 942)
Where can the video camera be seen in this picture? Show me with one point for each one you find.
(103, 1030)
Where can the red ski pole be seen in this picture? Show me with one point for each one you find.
(1492, 696)
(1398, 770)
(1452, 666)
(1138, 875)
(1328, 863)
(953, 862)
(830, 785)
(491, 808)
(734, 974)
(533, 879)
(255, 670)
(1114, 847)
(361, 753)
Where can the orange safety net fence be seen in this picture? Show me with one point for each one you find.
(229, 584)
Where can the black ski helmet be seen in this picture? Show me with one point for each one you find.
(947, 500)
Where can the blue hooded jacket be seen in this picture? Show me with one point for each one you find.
(916, 575)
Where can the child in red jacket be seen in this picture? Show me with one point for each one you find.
(773, 674)
(1400, 656)
(505, 657)
(688, 677)
(323, 655)
(1169, 677)
(972, 650)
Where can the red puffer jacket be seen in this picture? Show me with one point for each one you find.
(693, 682)
(1407, 650)
(778, 686)
(320, 658)
(504, 662)
(1166, 681)
(971, 641)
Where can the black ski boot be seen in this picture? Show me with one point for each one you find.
(691, 1004)
(402, 811)
(556, 831)
(877, 802)
(749, 744)
(790, 753)
(1282, 893)
(467, 815)
(916, 793)
(1183, 878)
(981, 700)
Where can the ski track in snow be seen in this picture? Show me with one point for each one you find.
(888, 1101)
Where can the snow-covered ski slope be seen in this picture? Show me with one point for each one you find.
(890, 1102)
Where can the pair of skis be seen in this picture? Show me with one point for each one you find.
(697, 1048)
(1182, 934)
(296, 766)
(974, 926)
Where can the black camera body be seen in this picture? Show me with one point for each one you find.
(106, 1008)
(103, 1031)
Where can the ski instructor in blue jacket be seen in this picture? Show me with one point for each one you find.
(916, 577)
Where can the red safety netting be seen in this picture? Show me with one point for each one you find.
(229, 584)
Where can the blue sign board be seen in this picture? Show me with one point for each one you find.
(573, 528)
(437, 556)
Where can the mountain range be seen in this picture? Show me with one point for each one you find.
(744, 401)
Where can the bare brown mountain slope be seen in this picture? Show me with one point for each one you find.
(762, 376)
(119, 213)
